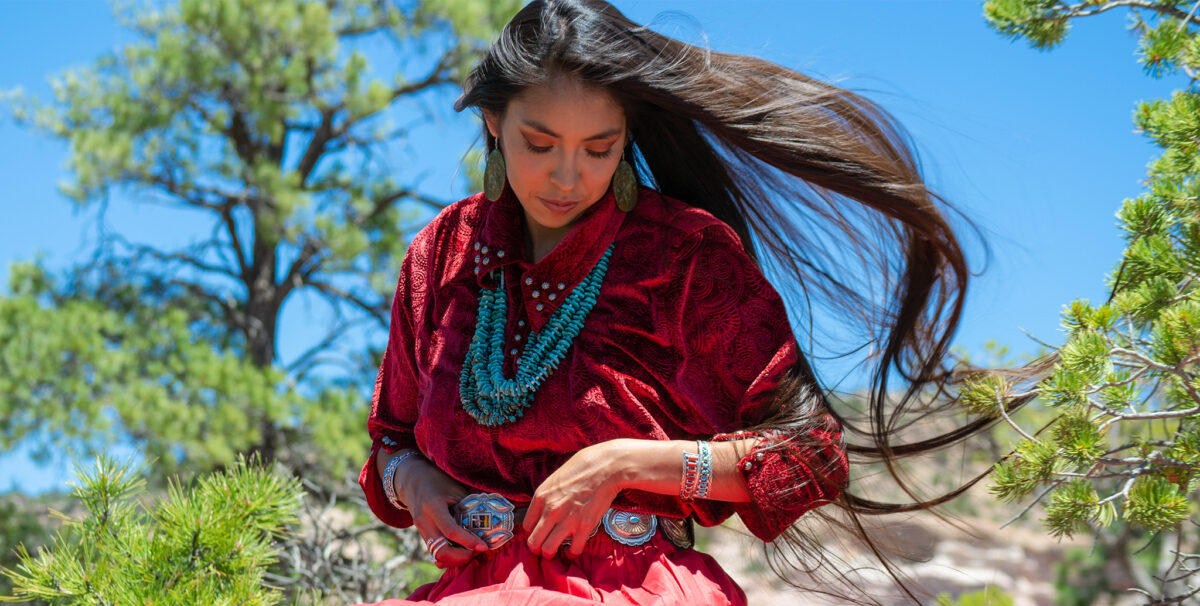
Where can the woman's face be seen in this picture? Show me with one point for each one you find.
(561, 144)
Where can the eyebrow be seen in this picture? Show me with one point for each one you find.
(612, 132)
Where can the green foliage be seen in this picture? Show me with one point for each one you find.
(273, 125)
(988, 596)
(1156, 503)
(1086, 353)
(181, 399)
(984, 395)
(1176, 336)
(1033, 20)
(263, 119)
(1079, 439)
(209, 545)
(1074, 503)
(1121, 459)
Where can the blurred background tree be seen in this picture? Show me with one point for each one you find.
(263, 123)
(1121, 458)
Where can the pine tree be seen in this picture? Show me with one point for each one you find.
(263, 124)
(1122, 458)
(208, 545)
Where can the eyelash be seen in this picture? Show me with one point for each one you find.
(542, 150)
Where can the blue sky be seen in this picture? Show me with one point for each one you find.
(1037, 147)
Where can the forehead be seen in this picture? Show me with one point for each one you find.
(568, 107)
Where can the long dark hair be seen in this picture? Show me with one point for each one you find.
(822, 188)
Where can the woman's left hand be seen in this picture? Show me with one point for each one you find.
(572, 502)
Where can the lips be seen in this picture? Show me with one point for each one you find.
(559, 206)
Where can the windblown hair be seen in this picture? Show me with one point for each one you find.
(823, 190)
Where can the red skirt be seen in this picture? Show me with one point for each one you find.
(657, 573)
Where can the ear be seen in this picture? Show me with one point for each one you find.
(493, 123)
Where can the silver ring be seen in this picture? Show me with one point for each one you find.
(436, 545)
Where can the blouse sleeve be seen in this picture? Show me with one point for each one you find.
(394, 403)
(737, 345)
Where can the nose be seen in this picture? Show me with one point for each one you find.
(565, 173)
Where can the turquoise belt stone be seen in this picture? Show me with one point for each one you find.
(487, 395)
(492, 518)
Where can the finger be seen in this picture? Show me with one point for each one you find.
(533, 513)
(449, 554)
(581, 538)
(537, 536)
(554, 540)
(454, 556)
(576, 548)
(465, 539)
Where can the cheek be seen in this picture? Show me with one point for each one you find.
(599, 174)
(525, 167)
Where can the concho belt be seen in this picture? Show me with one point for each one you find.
(493, 518)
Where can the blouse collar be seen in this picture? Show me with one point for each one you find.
(500, 242)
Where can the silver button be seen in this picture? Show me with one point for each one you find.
(500, 254)
(561, 286)
(521, 323)
(487, 260)
(516, 337)
(476, 246)
(747, 466)
(528, 281)
(535, 294)
(477, 271)
(758, 456)
(540, 307)
(545, 286)
(484, 251)
(512, 352)
(552, 296)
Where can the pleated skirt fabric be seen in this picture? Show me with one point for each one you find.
(655, 574)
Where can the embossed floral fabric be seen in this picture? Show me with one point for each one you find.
(686, 341)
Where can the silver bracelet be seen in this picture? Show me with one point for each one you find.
(704, 481)
(389, 479)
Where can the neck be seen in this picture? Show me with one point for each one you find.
(540, 240)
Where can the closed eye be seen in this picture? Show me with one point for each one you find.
(541, 150)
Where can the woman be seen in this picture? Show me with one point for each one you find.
(581, 366)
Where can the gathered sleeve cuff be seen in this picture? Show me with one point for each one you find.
(738, 348)
(786, 478)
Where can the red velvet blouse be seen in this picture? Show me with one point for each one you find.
(686, 340)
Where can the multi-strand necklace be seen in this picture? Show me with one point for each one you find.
(490, 397)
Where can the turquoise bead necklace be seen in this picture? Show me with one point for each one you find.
(487, 395)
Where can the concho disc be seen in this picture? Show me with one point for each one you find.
(678, 531)
(630, 528)
(488, 515)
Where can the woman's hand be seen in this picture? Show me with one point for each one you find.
(429, 492)
(572, 502)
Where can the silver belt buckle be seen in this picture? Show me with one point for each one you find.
(492, 518)
(630, 528)
(488, 515)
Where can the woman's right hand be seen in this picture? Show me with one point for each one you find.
(429, 492)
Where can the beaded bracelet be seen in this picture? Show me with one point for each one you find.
(389, 479)
(688, 484)
(704, 482)
(697, 473)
